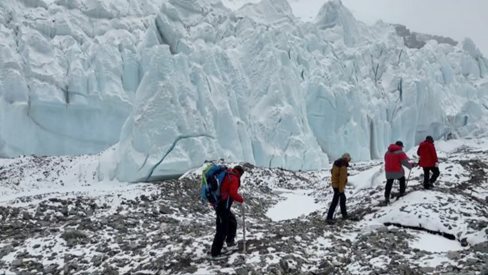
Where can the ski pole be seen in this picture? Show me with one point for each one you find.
(243, 229)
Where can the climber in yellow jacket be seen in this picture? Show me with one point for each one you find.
(339, 181)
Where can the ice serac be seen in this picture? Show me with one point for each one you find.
(212, 89)
(258, 85)
(298, 92)
(268, 12)
(68, 72)
(334, 15)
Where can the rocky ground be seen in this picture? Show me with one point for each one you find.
(162, 228)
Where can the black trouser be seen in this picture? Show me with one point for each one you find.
(389, 184)
(338, 196)
(226, 225)
(428, 180)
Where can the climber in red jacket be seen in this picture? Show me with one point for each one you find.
(395, 158)
(428, 161)
(226, 221)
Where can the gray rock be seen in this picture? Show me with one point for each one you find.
(481, 247)
(73, 234)
(51, 269)
(97, 260)
(26, 215)
(325, 267)
(6, 250)
(453, 255)
(472, 262)
(70, 268)
(484, 271)
(242, 271)
(17, 262)
(406, 270)
(110, 270)
(274, 269)
(163, 209)
(427, 269)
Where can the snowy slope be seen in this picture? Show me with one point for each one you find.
(176, 82)
(57, 218)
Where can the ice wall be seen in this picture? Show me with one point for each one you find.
(192, 80)
(204, 95)
(68, 72)
(258, 85)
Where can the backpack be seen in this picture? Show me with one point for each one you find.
(212, 177)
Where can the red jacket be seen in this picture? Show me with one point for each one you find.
(231, 184)
(394, 159)
(427, 154)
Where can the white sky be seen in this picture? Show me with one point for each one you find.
(454, 18)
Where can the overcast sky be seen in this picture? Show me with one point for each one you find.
(454, 18)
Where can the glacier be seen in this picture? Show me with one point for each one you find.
(168, 84)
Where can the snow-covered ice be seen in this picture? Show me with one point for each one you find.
(434, 243)
(295, 204)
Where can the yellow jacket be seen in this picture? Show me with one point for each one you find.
(339, 174)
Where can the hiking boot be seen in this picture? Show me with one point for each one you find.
(330, 221)
(228, 251)
(351, 218)
(231, 248)
(217, 257)
(355, 218)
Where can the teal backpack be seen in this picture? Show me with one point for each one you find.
(213, 176)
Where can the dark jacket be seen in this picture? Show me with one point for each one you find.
(339, 174)
(427, 154)
(394, 159)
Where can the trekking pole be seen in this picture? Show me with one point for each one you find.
(406, 183)
(408, 178)
(243, 229)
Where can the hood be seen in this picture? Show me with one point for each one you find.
(394, 147)
(236, 172)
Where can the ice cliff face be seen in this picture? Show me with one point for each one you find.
(194, 80)
(68, 72)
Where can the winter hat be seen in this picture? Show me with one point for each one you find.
(239, 169)
(399, 143)
(346, 156)
(429, 138)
